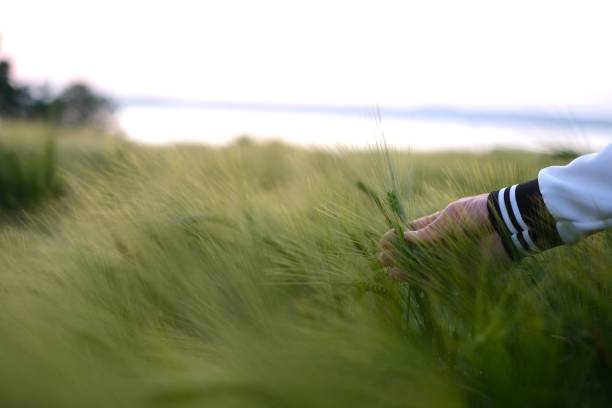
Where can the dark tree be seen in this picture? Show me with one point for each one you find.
(77, 105)
(40, 107)
(14, 100)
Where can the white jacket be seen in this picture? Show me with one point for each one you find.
(563, 205)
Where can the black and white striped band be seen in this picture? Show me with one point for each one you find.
(519, 216)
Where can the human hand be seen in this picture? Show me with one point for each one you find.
(468, 217)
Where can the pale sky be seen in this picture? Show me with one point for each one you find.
(544, 54)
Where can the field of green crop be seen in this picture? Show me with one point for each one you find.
(247, 276)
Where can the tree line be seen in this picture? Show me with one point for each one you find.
(75, 105)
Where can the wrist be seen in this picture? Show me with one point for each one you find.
(519, 216)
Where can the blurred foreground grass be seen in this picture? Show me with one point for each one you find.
(247, 276)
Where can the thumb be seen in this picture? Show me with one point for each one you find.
(423, 221)
(430, 234)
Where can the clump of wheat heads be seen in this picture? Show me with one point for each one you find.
(415, 300)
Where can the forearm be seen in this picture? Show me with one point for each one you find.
(563, 205)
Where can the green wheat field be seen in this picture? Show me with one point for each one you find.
(246, 276)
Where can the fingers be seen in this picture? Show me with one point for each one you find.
(451, 220)
(424, 221)
(386, 258)
(467, 217)
(387, 240)
(388, 255)
(388, 244)
(432, 233)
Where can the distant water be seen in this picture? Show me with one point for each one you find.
(165, 125)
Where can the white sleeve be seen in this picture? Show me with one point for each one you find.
(561, 206)
(579, 195)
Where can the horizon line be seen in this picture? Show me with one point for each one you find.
(437, 113)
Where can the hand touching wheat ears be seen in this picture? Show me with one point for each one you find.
(467, 216)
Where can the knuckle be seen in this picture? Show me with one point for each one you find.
(452, 208)
(455, 210)
(385, 258)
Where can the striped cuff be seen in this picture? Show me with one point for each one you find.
(520, 217)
